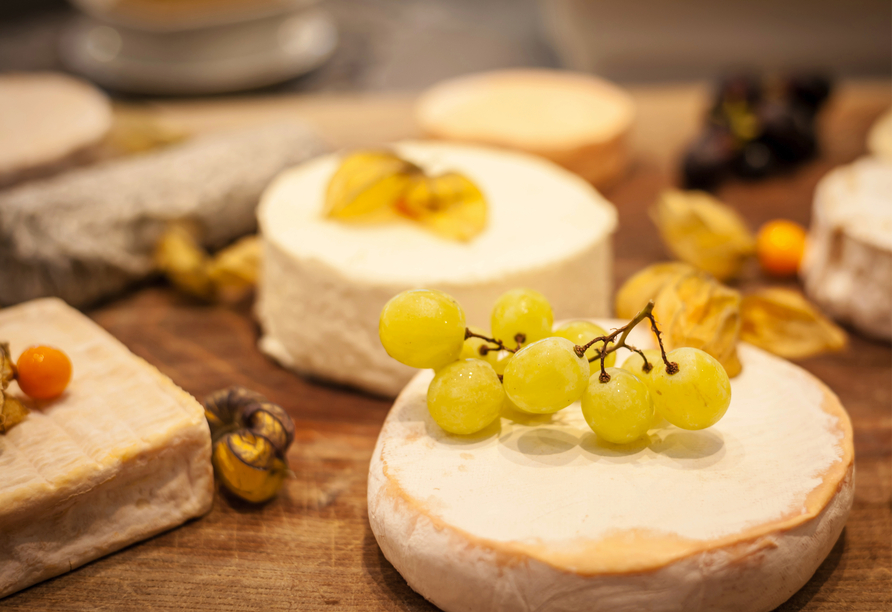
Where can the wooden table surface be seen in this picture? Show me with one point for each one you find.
(312, 548)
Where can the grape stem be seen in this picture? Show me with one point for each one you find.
(623, 333)
(499, 345)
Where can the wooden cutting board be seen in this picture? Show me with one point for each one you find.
(312, 548)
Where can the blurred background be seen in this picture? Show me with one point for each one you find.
(375, 45)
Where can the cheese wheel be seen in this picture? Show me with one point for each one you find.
(543, 516)
(324, 282)
(879, 139)
(847, 267)
(46, 121)
(575, 120)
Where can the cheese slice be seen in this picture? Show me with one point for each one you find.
(324, 282)
(847, 267)
(122, 455)
(46, 121)
(541, 515)
(576, 120)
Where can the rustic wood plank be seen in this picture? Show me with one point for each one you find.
(312, 549)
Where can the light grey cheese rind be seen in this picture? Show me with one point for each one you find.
(89, 233)
(122, 455)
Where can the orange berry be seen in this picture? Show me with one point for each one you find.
(780, 245)
(43, 372)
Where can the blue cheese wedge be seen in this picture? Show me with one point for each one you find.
(122, 455)
(324, 281)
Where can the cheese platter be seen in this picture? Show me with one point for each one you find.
(313, 547)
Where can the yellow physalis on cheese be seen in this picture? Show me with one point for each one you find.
(377, 185)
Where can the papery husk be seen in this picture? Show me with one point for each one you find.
(179, 257)
(697, 311)
(449, 205)
(700, 230)
(233, 271)
(783, 322)
(248, 465)
(367, 184)
(644, 286)
(12, 411)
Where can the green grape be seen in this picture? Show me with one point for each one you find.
(581, 333)
(521, 311)
(546, 376)
(620, 410)
(471, 347)
(465, 396)
(696, 396)
(499, 360)
(422, 328)
(635, 365)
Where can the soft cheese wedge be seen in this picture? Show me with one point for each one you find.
(122, 455)
(541, 515)
(324, 281)
(847, 268)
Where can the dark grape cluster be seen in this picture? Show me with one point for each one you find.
(757, 126)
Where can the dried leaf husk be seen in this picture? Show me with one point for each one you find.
(367, 184)
(12, 412)
(644, 286)
(270, 421)
(179, 257)
(248, 465)
(233, 271)
(697, 311)
(450, 205)
(7, 365)
(700, 230)
(223, 409)
(783, 322)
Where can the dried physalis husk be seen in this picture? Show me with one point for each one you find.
(223, 409)
(249, 466)
(697, 311)
(646, 284)
(271, 422)
(700, 230)
(450, 205)
(234, 270)
(12, 411)
(184, 262)
(367, 184)
(783, 322)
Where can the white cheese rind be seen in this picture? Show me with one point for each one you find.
(512, 519)
(325, 282)
(123, 455)
(847, 268)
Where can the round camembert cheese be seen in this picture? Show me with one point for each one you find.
(539, 514)
(847, 267)
(324, 282)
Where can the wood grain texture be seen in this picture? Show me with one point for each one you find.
(312, 549)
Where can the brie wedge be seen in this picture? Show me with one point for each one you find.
(539, 514)
(847, 268)
(122, 455)
(324, 282)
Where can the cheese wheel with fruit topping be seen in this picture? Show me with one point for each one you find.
(537, 513)
(324, 281)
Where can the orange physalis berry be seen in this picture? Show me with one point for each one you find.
(43, 372)
(780, 245)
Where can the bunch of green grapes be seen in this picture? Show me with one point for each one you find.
(530, 366)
